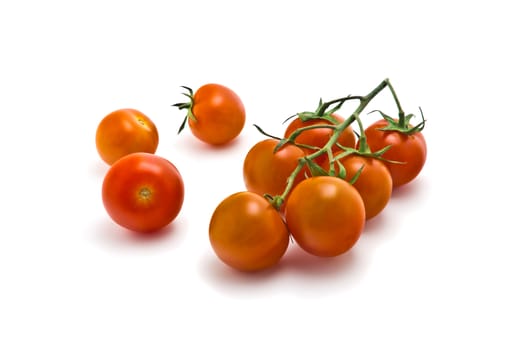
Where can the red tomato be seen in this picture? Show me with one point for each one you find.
(219, 114)
(266, 171)
(319, 137)
(409, 149)
(143, 192)
(125, 131)
(247, 233)
(325, 215)
(374, 183)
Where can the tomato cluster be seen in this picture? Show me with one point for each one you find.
(144, 192)
(318, 183)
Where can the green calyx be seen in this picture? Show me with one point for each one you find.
(402, 124)
(186, 105)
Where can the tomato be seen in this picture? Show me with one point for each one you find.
(217, 114)
(125, 131)
(374, 183)
(319, 137)
(247, 233)
(325, 215)
(143, 192)
(410, 149)
(266, 171)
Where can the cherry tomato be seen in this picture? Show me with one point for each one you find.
(125, 131)
(143, 192)
(325, 215)
(247, 232)
(374, 183)
(266, 171)
(319, 137)
(219, 114)
(409, 149)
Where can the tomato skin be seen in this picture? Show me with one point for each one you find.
(409, 149)
(219, 114)
(143, 192)
(247, 233)
(266, 171)
(374, 183)
(125, 131)
(325, 215)
(319, 137)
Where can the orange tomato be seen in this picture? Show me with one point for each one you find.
(266, 171)
(410, 150)
(219, 114)
(247, 233)
(125, 131)
(374, 183)
(325, 215)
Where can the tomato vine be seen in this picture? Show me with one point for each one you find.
(324, 111)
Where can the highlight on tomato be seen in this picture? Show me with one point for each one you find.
(325, 215)
(247, 233)
(143, 192)
(215, 114)
(125, 131)
(266, 171)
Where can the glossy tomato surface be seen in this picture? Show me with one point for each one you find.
(143, 192)
(374, 182)
(219, 114)
(266, 171)
(410, 150)
(247, 233)
(325, 215)
(125, 131)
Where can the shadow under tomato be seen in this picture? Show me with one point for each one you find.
(113, 234)
(378, 224)
(298, 260)
(199, 146)
(407, 190)
(225, 277)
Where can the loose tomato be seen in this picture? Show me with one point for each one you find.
(374, 182)
(325, 215)
(266, 171)
(408, 149)
(216, 114)
(247, 233)
(143, 192)
(319, 137)
(125, 131)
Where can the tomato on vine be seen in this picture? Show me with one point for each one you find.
(143, 192)
(247, 233)
(265, 171)
(325, 215)
(215, 114)
(366, 171)
(125, 131)
(407, 146)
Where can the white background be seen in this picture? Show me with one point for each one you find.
(440, 268)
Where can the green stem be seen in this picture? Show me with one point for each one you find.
(363, 145)
(322, 110)
(398, 104)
